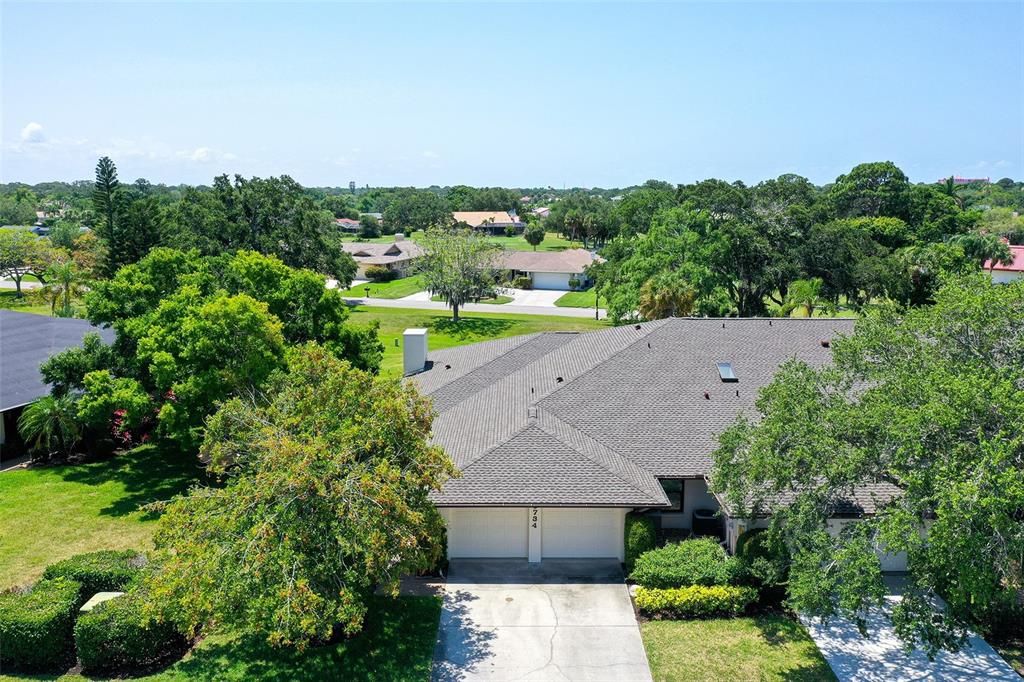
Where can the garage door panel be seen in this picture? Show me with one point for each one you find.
(586, 533)
(487, 533)
(551, 280)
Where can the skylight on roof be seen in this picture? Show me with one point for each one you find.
(726, 373)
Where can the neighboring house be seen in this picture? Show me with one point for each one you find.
(26, 341)
(1003, 273)
(495, 222)
(347, 224)
(548, 269)
(559, 435)
(397, 256)
(542, 212)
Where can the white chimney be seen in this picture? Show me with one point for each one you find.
(414, 351)
(399, 236)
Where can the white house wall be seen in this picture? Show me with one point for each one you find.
(695, 496)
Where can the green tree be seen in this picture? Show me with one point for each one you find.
(64, 285)
(50, 425)
(923, 404)
(666, 295)
(368, 226)
(411, 210)
(326, 499)
(534, 234)
(871, 189)
(459, 266)
(22, 253)
(804, 293)
(104, 198)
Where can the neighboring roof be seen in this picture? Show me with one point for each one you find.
(1016, 266)
(478, 218)
(383, 254)
(570, 260)
(28, 340)
(629, 408)
(347, 222)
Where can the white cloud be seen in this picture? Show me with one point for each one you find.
(201, 154)
(33, 133)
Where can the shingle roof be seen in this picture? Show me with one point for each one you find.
(630, 403)
(383, 254)
(28, 340)
(478, 218)
(570, 260)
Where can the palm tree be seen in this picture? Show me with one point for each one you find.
(64, 283)
(804, 293)
(664, 296)
(50, 425)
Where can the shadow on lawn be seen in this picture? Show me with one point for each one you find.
(396, 644)
(468, 327)
(783, 631)
(148, 474)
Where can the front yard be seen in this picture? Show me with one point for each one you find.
(52, 513)
(580, 299)
(727, 649)
(396, 288)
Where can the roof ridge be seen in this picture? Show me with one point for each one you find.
(620, 466)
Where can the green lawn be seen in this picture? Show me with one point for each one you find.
(469, 329)
(727, 649)
(396, 288)
(580, 299)
(497, 300)
(26, 304)
(51, 513)
(552, 242)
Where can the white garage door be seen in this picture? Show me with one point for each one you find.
(487, 533)
(551, 280)
(587, 533)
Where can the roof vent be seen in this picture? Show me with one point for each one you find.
(648, 344)
(825, 343)
(725, 372)
(531, 411)
(707, 396)
(637, 327)
(723, 325)
(447, 366)
(559, 380)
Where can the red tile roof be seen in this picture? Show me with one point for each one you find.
(1016, 266)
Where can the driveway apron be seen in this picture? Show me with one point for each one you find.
(557, 620)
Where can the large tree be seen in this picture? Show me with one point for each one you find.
(459, 266)
(927, 401)
(326, 499)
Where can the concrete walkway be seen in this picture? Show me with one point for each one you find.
(476, 307)
(881, 658)
(557, 620)
(539, 298)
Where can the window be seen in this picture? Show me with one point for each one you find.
(673, 488)
(726, 373)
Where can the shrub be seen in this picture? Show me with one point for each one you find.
(691, 562)
(575, 284)
(35, 626)
(103, 571)
(763, 559)
(695, 601)
(116, 636)
(522, 282)
(640, 538)
(379, 273)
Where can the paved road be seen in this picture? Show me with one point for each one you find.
(477, 307)
(557, 620)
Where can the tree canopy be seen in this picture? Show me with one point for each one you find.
(927, 401)
(458, 265)
(327, 474)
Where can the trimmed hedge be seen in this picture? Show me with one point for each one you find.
(640, 537)
(690, 562)
(103, 571)
(695, 601)
(379, 273)
(35, 626)
(114, 636)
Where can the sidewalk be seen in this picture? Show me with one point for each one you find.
(477, 307)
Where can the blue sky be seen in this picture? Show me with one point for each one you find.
(511, 94)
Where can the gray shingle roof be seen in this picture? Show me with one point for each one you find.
(28, 340)
(630, 405)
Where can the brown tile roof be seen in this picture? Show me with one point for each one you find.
(478, 218)
(383, 254)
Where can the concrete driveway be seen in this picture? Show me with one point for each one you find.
(557, 620)
(881, 658)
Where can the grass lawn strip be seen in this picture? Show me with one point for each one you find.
(443, 333)
(396, 288)
(727, 649)
(580, 299)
